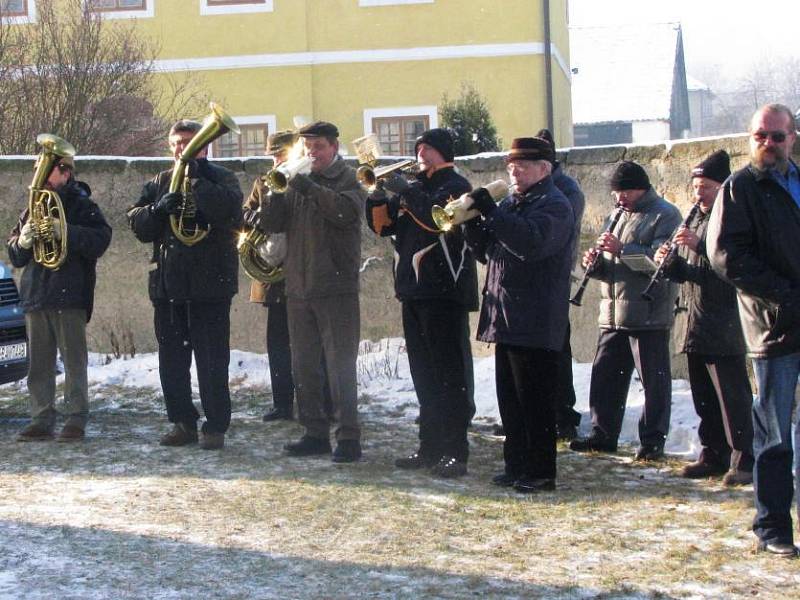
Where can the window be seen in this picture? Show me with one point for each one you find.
(17, 11)
(121, 9)
(397, 135)
(14, 8)
(101, 5)
(227, 7)
(251, 142)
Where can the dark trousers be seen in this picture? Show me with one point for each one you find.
(566, 415)
(618, 352)
(433, 330)
(723, 400)
(279, 352)
(202, 329)
(526, 380)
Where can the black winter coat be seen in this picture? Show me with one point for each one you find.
(753, 242)
(570, 188)
(72, 285)
(526, 241)
(209, 270)
(706, 315)
(428, 265)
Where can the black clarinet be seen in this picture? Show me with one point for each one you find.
(658, 275)
(577, 298)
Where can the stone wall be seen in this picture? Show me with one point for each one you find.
(122, 306)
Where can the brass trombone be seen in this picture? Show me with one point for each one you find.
(45, 206)
(184, 225)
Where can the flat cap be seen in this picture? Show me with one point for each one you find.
(319, 129)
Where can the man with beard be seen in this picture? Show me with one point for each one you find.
(754, 243)
(709, 332)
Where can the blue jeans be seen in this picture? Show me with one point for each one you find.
(772, 446)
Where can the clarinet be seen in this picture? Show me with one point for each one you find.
(658, 275)
(576, 299)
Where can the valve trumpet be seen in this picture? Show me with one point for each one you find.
(369, 176)
(277, 180)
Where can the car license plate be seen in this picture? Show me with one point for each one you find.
(13, 352)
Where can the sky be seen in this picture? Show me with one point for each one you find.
(727, 34)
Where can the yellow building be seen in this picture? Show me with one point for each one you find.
(366, 65)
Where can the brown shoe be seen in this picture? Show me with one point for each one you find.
(71, 433)
(210, 440)
(181, 434)
(701, 469)
(736, 477)
(35, 432)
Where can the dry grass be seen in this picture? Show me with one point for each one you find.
(248, 522)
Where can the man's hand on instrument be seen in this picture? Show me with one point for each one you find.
(608, 242)
(589, 257)
(687, 237)
(252, 218)
(26, 236)
(662, 252)
(57, 233)
(169, 204)
(395, 183)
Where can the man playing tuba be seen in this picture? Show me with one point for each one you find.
(58, 302)
(191, 286)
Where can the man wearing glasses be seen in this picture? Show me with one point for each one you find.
(634, 332)
(754, 242)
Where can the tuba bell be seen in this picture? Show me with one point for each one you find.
(45, 206)
(184, 225)
(252, 261)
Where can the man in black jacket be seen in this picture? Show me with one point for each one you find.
(526, 241)
(709, 332)
(436, 282)
(754, 243)
(58, 304)
(191, 287)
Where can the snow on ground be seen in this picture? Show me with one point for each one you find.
(384, 376)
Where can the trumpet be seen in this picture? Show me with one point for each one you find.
(369, 175)
(277, 180)
(460, 210)
(578, 297)
(184, 226)
(45, 206)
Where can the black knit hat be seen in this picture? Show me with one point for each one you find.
(319, 129)
(629, 176)
(531, 148)
(717, 167)
(440, 139)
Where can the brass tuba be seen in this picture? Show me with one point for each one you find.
(45, 207)
(184, 225)
(252, 262)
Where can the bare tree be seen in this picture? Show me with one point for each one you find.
(88, 80)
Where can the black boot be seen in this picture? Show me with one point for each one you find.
(278, 414)
(308, 446)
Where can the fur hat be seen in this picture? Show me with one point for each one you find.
(531, 148)
(629, 176)
(440, 139)
(717, 167)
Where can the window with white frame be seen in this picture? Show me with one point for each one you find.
(251, 141)
(398, 128)
(228, 7)
(121, 9)
(17, 11)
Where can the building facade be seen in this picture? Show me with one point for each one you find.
(367, 65)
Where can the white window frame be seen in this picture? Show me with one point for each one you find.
(392, 2)
(30, 17)
(233, 9)
(429, 111)
(270, 121)
(146, 13)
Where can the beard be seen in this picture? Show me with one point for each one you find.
(769, 158)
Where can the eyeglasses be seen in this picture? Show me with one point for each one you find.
(776, 136)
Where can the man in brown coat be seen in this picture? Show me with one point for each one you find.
(321, 216)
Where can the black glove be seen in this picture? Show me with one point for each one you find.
(252, 218)
(395, 183)
(378, 195)
(483, 201)
(169, 204)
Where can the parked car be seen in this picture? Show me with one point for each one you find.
(13, 339)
